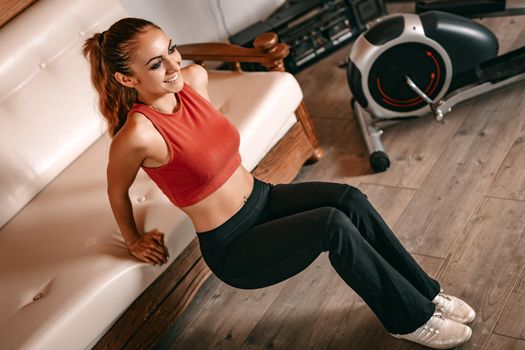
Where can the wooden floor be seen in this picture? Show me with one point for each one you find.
(455, 196)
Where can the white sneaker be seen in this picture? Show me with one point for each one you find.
(454, 308)
(439, 333)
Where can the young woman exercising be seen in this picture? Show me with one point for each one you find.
(252, 234)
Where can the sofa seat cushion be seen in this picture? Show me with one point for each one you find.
(65, 274)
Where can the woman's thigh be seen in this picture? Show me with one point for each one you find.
(288, 199)
(273, 251)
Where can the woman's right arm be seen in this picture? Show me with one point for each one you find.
(127, 151)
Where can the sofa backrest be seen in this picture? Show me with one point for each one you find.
(48, 113)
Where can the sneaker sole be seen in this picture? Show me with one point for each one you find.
(398, 336)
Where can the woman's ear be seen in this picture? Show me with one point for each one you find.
(125, 80)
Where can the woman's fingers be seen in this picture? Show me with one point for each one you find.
(150, 248)
(154, 249)
(156, 255)
(149, 260)
(158, 238)
(153, 244)
(143, 257)
(152, 255)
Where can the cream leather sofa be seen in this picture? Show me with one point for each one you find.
(65, 274)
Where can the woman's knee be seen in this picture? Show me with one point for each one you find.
(341, 233)
(353, 193)
(353, 199)
(338, 219)
(339, 224)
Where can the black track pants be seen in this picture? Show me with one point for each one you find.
(283, 228)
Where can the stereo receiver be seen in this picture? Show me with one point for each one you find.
(312, 28)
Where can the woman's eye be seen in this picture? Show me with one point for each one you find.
(172, 49)
(155, 66)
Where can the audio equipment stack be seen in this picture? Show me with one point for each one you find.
(312, 28)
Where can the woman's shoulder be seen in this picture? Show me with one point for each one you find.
(135, 134)
(196, 77)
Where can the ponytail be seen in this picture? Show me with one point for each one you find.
(110, 52)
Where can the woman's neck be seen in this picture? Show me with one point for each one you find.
(167, 103)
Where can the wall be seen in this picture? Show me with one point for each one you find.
(188, 21)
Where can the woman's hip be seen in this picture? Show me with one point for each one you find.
(214, 243)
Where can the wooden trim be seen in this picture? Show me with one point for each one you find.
(268, 52)
(11, 8)
(303, 116)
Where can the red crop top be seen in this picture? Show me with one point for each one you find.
(203, 146)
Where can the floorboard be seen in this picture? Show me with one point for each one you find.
(486, 263)
(509, 182)
(498, 342)
(510, 322)
(463, 173)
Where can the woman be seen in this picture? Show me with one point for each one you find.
(252, 234)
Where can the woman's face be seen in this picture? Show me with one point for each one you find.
(156, 64)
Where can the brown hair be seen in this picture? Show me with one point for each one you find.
(110, 52)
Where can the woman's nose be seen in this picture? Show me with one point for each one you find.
(174, 61)
(172, 66)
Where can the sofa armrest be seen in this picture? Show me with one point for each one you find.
(266, 51)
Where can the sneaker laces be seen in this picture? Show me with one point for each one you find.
(438, 315)
(442, 301)
(429, 330)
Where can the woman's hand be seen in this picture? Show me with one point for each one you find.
(150, 248)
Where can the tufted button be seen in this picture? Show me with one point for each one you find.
(38, 296)
(42, 65)
(141, 199)
(90, 242)
(82, 33)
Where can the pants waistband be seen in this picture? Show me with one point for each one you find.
(255, 204)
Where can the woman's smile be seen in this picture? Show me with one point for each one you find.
(173, 78)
